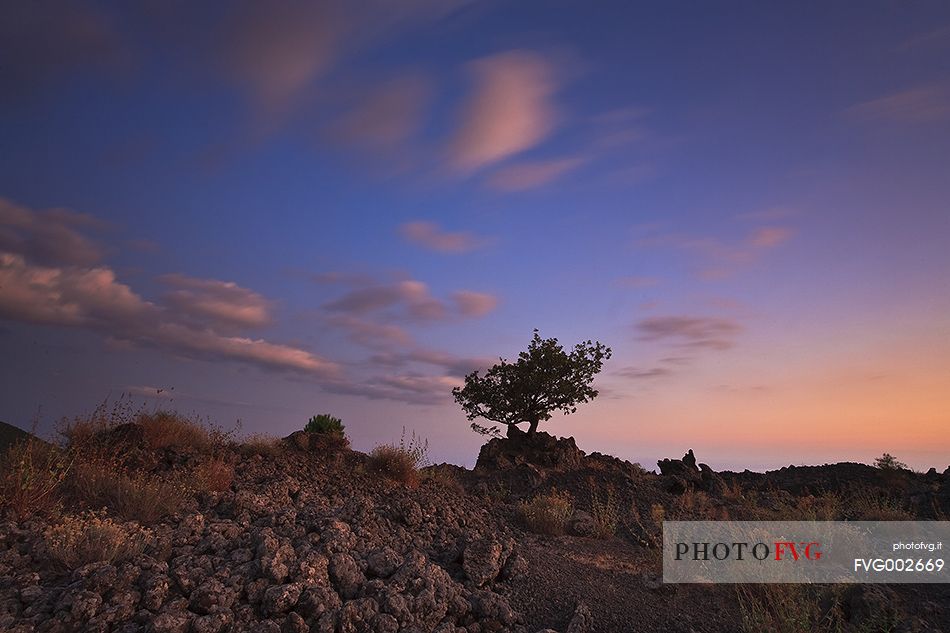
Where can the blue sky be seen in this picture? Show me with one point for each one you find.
(284, 209)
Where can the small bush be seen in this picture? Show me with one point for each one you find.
(213, 475)
(547, 513)
(400, 463)
(605, 513)
(889, 462)
(165, 429)
(31, 475)
(160, 429)
(443, 477)
(81, 432)
(325, 424)
(797, 608)
(137, 496)
(328, 442)
(265, 445)
(91, 537)
(865, 505)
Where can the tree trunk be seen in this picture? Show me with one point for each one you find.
(533, 427)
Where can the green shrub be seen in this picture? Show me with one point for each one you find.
(325, 424)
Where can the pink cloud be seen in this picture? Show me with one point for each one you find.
(92, 298)
(770, 236)
(508, 111)
(276, 50)
(638, 281)
(532, 174)
(474, 304)
(222, 302)
(720, 258)
(430, 236)
(696, 332)
(50, 236)
(209, 344)
(65, 296)
(922, 104)
(409, 300)
(389, 115)
(369, 333)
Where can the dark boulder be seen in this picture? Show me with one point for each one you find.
(540, 449)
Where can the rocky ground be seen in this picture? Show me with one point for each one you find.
(311, 539)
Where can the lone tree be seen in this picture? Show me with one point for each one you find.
(544, 379)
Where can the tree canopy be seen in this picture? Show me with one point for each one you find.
(543, 380)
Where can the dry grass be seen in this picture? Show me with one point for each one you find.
(605, 513)
(259, 444)
(547, 513)
(91, 537)
(794, 608)
(31, 476)
(137, 496)
(160, 429)
(213, 475)
(400, 463)
(394, 464)
(868, 506)
(444, 478)
(171, 430)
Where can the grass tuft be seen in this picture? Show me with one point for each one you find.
(605, 514)
(31, 476)
(400, 463)
(91, 537)
(133, 495)
(547, 513)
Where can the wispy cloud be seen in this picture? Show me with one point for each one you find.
(450, 364)
(369, 333)
(770, 236)
(508, 111)
(932, 39)
(220, 302)
(47, 278)
(637, 281)
(409, 301)
(529, 175)
(93, 299)
(388, 115)
(429, 235)
(51, 236)
(690, 331)
(410, 298)
(40, 41)
(474, 304)
(639, 373)
(275, 51)
(408, 388)
(719, 258)
(921, 104)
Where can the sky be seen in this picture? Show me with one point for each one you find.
(257, 212)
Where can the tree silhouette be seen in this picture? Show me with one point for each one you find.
(544, 379)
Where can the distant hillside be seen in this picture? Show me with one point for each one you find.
(10, 434)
